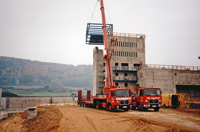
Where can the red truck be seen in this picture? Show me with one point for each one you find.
(113, 99)
(147, 97)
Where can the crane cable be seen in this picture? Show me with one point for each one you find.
(109, 17)
(93, 11)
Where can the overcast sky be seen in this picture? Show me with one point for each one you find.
(54, 30)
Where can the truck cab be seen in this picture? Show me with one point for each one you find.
(119, 98)
(147, 97)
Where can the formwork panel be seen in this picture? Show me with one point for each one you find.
(94, 33)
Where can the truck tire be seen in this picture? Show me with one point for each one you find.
(110, 107)
(125, 109)
(139, 107)
(84, 104)
(133, 108)
(146, 109)
(164, 106)
(79, 104)
(156, 109)
(98, 105)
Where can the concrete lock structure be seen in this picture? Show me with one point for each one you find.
(129, 68)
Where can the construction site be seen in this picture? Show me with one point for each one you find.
(128, 95)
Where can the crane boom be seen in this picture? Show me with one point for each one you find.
(107, 57)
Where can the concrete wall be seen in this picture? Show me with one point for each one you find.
(21, 103)
(168, 79)
(62, 100)
(98, 71)
(3, 104)
(129, 49)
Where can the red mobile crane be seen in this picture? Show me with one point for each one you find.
(113, 98)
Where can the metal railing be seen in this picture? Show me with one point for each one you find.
(124, 68)
(128, 35)
(125, 79)
(173, 67)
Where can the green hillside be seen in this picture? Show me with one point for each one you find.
(51, 77)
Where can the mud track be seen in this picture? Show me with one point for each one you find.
(72, 118)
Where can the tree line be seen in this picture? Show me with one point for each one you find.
(20, 72)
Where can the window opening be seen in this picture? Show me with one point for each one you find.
(125, 74)
(124, 64)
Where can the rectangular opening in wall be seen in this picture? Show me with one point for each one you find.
(116, 84)
(125, 84)
(136, 65)
(104, 64)
(116, 74)
(125, 74)
(193, 90)
(124, 64)
(116, 64)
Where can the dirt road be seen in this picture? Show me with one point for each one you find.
(72, 118)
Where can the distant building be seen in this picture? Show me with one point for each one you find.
(129, 68)
(128, 56)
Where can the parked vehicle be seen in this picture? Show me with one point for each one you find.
(113, 99)
(147, 97)
(169, 100)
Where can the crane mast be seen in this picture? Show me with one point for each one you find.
(107, 57)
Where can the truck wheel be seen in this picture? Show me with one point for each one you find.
(133, 107)
(164, 106)
(156, 109)
(110, 107)
(125, 109)
(84, 104)
(98, 105)
(139, 107)
(79, 104)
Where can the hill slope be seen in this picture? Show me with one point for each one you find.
(15, 71)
